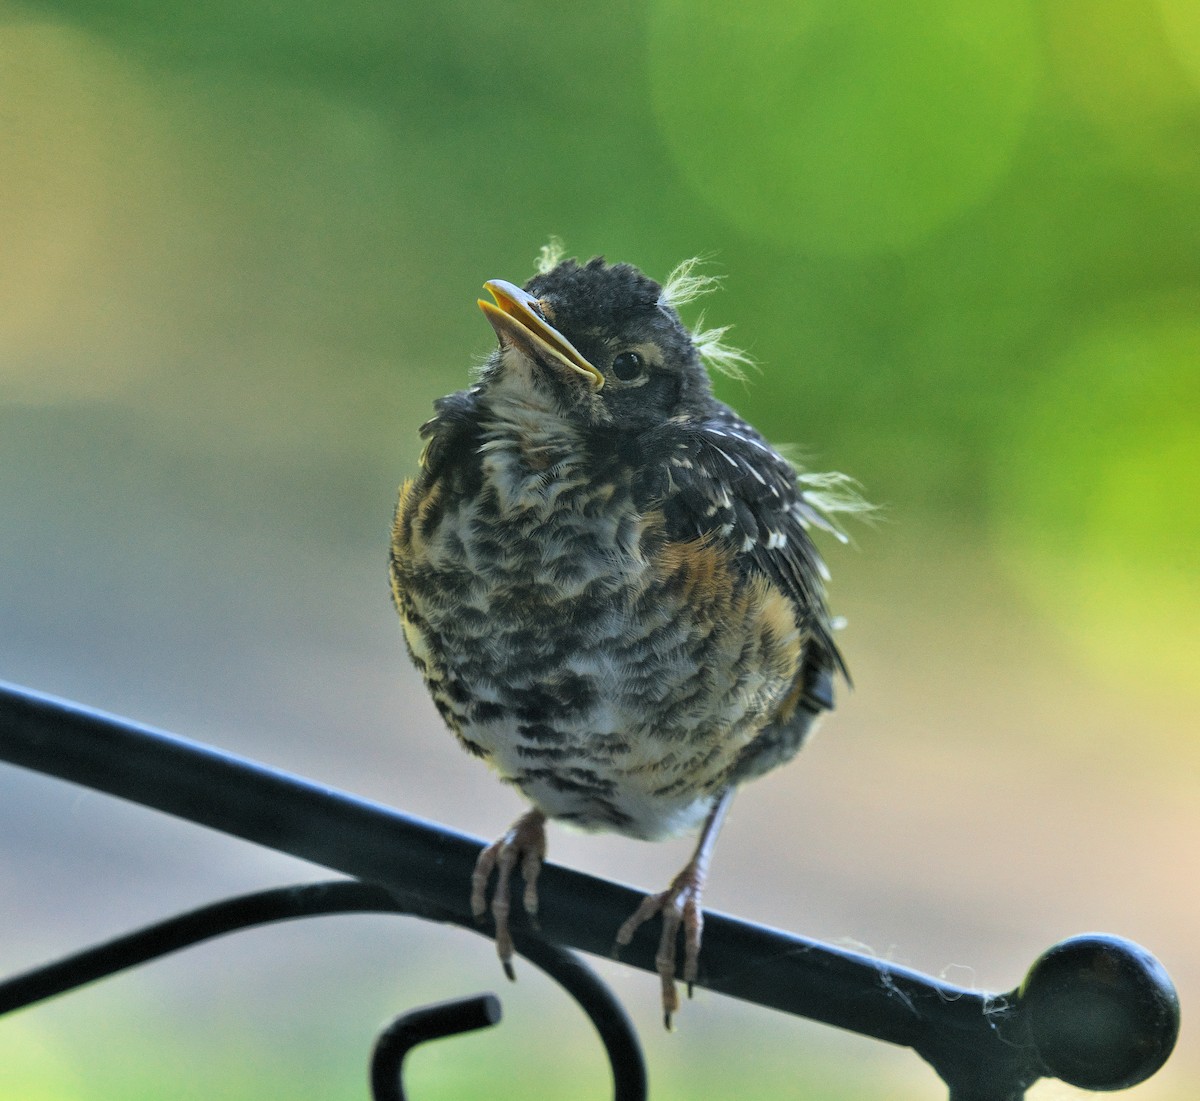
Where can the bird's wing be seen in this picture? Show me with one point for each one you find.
(452, 433)
(451, 456)
(721, 481)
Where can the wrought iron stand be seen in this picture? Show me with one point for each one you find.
(1095, 1011)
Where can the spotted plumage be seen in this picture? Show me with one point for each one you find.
(606, 578)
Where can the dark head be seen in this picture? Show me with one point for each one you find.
(596, 343)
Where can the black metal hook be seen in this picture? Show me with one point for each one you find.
(590, 992)
(429, 1022)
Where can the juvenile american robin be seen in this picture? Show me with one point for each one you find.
(606, 578)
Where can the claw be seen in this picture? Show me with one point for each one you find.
(523, 846)
(679, 905)
(479, 881)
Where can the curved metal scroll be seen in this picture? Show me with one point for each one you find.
(306, 900)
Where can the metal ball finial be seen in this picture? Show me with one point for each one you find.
(1101, 1011)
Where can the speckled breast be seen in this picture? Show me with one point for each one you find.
(611, 674)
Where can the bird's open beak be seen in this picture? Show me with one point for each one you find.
(518, 320)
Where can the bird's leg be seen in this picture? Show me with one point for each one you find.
(525, 845)
(679, 905)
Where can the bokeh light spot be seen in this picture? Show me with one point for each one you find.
(1120, 65)
(81, 147)
(1095, 500)
(846, 127)
(34, 1066)
(1181, 21)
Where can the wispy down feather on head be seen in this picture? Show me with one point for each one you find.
(549, 256)
(685, 284)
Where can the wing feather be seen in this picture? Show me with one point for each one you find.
(727, 484)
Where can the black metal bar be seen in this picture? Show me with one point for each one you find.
(980, 1043)
(373, 842)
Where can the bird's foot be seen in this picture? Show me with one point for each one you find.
(679, 905)
(523, 846)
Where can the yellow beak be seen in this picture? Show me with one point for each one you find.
(518, 320)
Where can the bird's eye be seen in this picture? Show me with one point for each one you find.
(628, 366)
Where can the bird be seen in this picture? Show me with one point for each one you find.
(608, 581)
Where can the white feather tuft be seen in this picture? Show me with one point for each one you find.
(685, 284)
(730, 361)
(830, 495)
(550, 255)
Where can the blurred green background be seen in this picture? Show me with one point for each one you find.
(240, 245)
